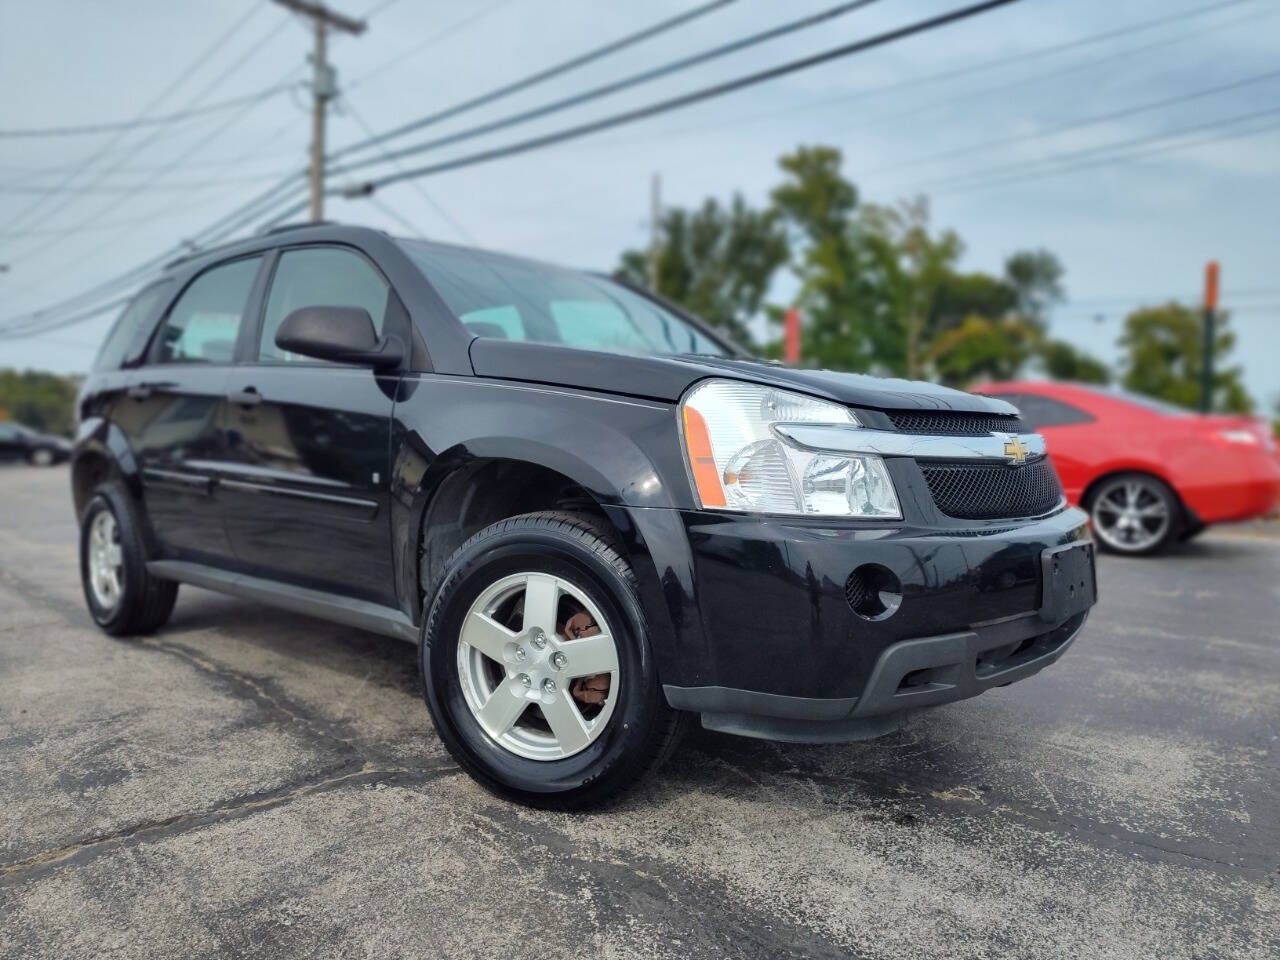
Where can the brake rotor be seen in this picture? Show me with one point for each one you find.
(593, 690)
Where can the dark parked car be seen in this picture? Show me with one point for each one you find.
(595, 515)
(38, 449)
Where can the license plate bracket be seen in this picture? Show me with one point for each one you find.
(1069, 581)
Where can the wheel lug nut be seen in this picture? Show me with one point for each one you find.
(548, 686)
(520, 654)
(526, 680)
(558, 660)
(539, 639)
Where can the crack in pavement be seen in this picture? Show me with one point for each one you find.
(235, 808)
(634, 885)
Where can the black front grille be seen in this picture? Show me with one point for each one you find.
(954, 424)
(989, 491)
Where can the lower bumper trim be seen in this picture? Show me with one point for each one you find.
(908, 675)
(848, 730)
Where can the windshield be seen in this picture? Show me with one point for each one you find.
(509, 299)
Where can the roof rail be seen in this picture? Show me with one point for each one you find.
(285, 227)
(198, 251)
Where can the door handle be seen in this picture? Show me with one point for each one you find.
(248, 397)
(139, 391)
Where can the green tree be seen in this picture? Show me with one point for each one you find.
(1035, 277)
(837, 296)
(983, 348)
(43, 401)
(716, 261)
(910, 268)
(1062, 361)
(1164, 352)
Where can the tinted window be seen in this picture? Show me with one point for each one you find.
(132, 327)
(513, 299)
(320, 277)
(202, 326)
(1041, 411)
(9, 432)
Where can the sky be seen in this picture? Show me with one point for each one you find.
(1005, 121)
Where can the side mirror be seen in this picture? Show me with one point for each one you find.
(341, 334)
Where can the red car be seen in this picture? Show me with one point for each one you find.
(1149, 473)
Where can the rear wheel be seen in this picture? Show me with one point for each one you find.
(122, 596)
(537, 668)
(1134, 513)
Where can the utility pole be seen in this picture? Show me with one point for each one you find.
(1210, 309)
(655, 229)
(323, 86)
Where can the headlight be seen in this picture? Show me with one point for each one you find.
(739, 462)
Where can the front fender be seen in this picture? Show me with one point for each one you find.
(625, 453)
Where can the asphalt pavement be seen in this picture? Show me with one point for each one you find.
(254, 783)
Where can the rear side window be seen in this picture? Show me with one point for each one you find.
(320, 277)
(1041, 411)
(203, 325)
(129, 333)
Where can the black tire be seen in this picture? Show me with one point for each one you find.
(145, 602)
(42, 457)
(642, 731)
(1154, 489)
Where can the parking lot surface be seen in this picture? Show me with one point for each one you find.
(251, 782)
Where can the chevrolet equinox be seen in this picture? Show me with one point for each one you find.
(595, 515)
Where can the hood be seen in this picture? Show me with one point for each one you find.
(668, 377)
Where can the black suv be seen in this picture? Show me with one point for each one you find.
(594, 514)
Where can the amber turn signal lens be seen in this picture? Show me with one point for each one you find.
(705, 475)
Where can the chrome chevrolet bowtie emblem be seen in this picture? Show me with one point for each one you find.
(1014, 449)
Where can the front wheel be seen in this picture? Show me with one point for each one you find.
(1134, 513)
(41, 457)
(537, 668)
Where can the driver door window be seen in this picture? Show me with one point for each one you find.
(319, 277)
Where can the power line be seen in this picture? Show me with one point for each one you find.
(535, 78)
(272, 196)
(254, 207)
(1226, 295)
(217, 45)
(1077, 124)
(1090, 158)
(429, 42)
(644, 76)
(67, 321)
(258, 206)
(221, 228)
(137, 122)
(134, 187)
(684, 100)
(143, 144)
(1036, 54)
(418, 188)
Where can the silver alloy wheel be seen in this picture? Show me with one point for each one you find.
(42, 457)
(106, 560)
(1131, 515)
(517, 682)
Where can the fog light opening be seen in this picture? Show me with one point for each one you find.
(873, 592)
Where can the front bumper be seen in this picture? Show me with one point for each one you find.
(786, 657)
